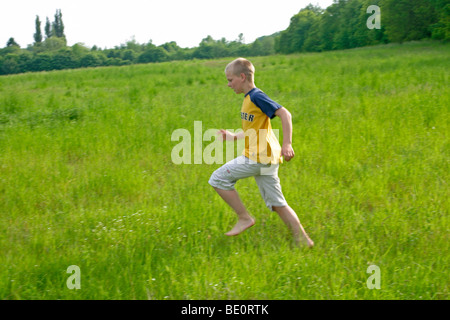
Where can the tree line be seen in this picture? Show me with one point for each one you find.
(342, 25)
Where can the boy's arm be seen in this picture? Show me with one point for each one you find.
(286, 122)
(230, 136)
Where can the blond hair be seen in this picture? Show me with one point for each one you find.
(241, 65)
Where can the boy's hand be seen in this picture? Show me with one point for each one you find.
(226, 135)
(287, 152)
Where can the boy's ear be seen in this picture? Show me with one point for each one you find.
(243, 76)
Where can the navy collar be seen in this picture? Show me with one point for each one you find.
(250, 91)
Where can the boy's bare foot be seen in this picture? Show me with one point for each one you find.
(242, 225)
(304, 241)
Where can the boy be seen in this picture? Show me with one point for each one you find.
(262, 153)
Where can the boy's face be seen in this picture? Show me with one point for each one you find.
(235, 82)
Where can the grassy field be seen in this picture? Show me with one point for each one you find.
(87, 179)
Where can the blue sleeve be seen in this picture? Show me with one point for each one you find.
(267, 105)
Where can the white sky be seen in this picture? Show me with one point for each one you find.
(109, 23)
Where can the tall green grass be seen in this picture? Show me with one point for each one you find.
(86, 179)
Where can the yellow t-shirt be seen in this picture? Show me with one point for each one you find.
(261, 144)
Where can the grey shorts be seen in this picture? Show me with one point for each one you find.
(266, 177)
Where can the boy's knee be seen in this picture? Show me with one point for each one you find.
(218, 182)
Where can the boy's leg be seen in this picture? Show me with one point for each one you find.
(291, 220)
(245, 221)
(270, 188)
(223, 181)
